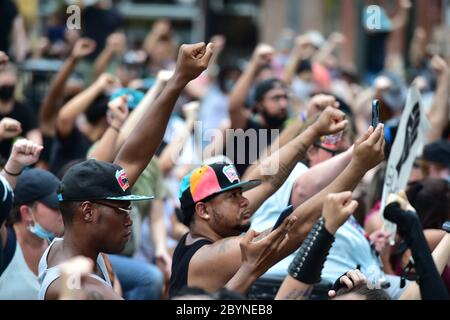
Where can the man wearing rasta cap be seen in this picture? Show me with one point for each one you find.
(217, 212)
(270, 107)
(94, 196)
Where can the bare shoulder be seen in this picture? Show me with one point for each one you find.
(213, 265)
(90, 289)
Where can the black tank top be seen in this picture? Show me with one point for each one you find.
(180, 263)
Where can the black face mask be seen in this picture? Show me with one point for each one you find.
(7, 92)
(273, 122)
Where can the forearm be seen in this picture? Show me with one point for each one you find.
(102, 61)
(105, 150)
(242, 280)
(439, 113)
(140, 146)
(157, 225)
(167, 157)
(79, 104)
(308, 212)
(239, 94)
(292, 289)
(321, 175)
(20, 40)
(139, 112)
(35, 136)
(289, 71)
(275, 169)
(440, 256)
(49, 106)
(13, 167)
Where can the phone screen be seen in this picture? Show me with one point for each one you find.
(283, 215)
(375, 113)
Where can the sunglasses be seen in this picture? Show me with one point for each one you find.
(119, 209)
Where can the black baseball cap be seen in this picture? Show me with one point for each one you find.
(96, 180)
(265, 86)
(438, 152)
(37, 185)
(207, 181)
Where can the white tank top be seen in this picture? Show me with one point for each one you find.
(48, 275)
(18, 282)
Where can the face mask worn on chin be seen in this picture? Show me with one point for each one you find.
(39, 231)
(7, 92)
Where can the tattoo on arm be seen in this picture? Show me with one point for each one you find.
(95, 295)
(223, 246)
(276, 180)
(298, 294)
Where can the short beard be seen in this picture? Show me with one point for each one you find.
(273, 121)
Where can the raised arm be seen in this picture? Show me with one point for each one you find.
(143, 106)
(275, 169)
(316, 104)
(169, 156)
(23, 153)
(304, 271)
(439, 112)
(367, 153)
(51, 102)
(67, 115)
(238, 113)
(115, 45)
(105, 149)
(141, 145)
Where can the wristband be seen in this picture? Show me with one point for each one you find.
(308, 262)
(12, 174)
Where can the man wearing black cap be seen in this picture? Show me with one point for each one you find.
(271, 110)
(34, 221)
(95, 196)
(217, 211)
(437, 159)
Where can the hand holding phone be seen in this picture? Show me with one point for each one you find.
(284, 214)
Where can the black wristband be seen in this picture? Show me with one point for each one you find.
(308, 262)
(12, 174)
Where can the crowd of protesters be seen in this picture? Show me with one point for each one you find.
(158, 171)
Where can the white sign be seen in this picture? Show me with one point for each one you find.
(409, 140)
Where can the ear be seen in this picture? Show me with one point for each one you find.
(87, 214)
(25, 214)
(201, 210)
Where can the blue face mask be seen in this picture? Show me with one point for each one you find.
(39, 231)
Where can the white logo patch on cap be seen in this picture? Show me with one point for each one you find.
(230, 173)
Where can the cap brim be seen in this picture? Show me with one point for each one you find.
(50, 200)
(244, 185)
(131, 197)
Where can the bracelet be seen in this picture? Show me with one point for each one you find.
(115, 128)
(12, 174)
(309, 260)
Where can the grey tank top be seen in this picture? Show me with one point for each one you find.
(48, 275)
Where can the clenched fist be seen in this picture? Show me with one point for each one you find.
(192, 60)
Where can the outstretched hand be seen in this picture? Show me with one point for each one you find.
(369, 148)
(261, 254)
